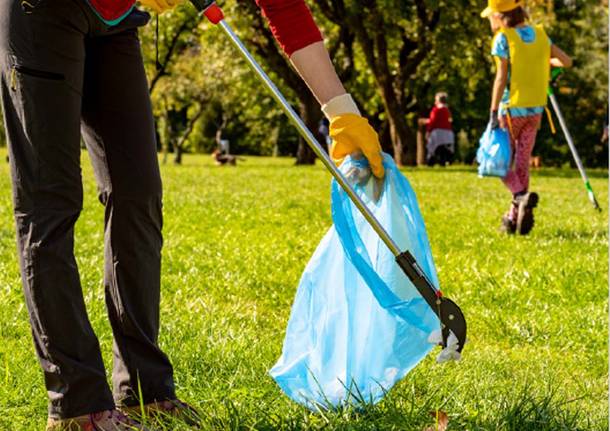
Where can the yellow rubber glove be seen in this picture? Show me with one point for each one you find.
(352, 133)
(160, 6)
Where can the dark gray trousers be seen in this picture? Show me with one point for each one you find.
(63, 71)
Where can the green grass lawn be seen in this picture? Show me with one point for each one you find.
(236, 242)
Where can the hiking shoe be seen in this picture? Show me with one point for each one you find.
(508, 226)
(109, 420)
(525, 215)
(175, 409)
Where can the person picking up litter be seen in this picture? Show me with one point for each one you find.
(72, 65)
(523, 55)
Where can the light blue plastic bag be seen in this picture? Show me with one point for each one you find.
(494, 153)
(358, 325)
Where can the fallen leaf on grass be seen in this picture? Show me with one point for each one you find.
(441, 421)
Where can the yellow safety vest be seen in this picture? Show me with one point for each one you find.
(529, 68)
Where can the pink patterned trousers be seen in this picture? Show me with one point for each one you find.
(523, 138)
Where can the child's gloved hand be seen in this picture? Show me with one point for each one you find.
(161, 6)
(351, 133)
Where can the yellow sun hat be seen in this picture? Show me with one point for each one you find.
(494, 6)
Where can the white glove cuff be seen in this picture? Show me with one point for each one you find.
(339, 105)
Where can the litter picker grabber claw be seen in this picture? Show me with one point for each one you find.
(451, 317)
(555, 74)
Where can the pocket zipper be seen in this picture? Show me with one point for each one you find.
(38, 73)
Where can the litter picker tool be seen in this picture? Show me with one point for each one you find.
(555, 74)
(451, 317)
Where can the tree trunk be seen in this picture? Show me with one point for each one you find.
(275, 137)
(177, 155)
(311, 115)
(179, 146)
(411, 149)
(396, 143)
(404, 154)
(166, 138)
(421, 145)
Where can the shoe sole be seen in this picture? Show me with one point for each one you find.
(525, 217)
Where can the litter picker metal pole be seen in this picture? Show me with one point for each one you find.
(449, 313)
(564, 127)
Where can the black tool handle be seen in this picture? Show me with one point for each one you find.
(448, 312)
(409, 265)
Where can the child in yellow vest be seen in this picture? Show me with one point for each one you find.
(524, 55)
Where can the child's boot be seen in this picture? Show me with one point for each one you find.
(525, 211)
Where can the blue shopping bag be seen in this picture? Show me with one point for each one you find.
(494, 153)
(358, 325)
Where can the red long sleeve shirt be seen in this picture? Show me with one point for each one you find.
(440, 118)
(291, 23)
(290, 20)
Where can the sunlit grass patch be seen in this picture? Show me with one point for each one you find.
(236, 243)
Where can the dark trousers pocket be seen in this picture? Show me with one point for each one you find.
(47, 156)
(40, 73)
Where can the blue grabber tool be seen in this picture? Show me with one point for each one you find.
(451, 317)
(555, 74)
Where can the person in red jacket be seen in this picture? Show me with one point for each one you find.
(72, 67)
(440, 146)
